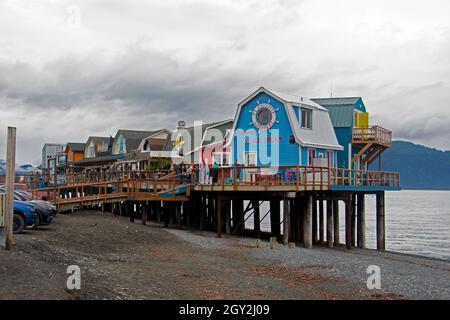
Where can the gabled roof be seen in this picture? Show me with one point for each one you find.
(322, 133)
(99, 140)
(134, 137)
(76, 146)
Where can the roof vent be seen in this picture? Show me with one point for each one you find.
(181, 124)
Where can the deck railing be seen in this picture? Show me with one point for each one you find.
(289, 178)
(300, 177)
(375, 134)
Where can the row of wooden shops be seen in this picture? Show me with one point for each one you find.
(285, 158)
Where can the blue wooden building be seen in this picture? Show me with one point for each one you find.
(276, 129)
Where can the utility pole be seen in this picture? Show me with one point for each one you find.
(9, 185)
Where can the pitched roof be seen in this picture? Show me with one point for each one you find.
(326, 102)
(76, 146)
(341, 110)
(134, 137)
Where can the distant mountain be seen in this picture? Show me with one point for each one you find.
(20, 170)
(420, 167)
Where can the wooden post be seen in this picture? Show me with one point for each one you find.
(144, 213)
(380, 221)
(203, 213)
(158, 211)
(219, 216)
(322, 222)
(256, 219)
(354, 220)
(131, 211)
(329, 224)
(238, 216)
(227, 209)
(6, 235)
(361, 217)
(275, 218)
(286, 210)
(348, 222)
(336, 236)
(178, 214)
(307, 223)
(314, 220)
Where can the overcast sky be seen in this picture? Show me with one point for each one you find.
(71, 69)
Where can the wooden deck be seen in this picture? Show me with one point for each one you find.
(163, 186)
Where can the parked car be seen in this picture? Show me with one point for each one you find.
(28, 197)
(24, 216)
(44, 210)
(41, 213)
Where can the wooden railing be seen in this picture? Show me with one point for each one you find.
(299, 177)
(286, 178)
(375, 134)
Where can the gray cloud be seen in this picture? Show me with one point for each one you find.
(145, 65)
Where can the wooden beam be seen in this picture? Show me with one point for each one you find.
(322, 221)
(330, 224)
(307, 223)
(361, 218)
(286, 222)
(257, 219)
(336, 235)
(219, 216)
(380, 221)
(361, 152)
(377, 156)
(275, 218)
(9, 187)
(348, 223)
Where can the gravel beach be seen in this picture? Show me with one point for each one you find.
(123, 260)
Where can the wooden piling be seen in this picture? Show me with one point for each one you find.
(227, 212)
(286, 214)
(380, 221)
(314, 221)
(329, 224)
(336, 236)
(307, 223)
(256, 219)
(158, 211)
(275, 218)
(353, 201)
(348, 222)
(361, 219)
(7, 233)
(321, 222)
(144, 213)
(219, 217)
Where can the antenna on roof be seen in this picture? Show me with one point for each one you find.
(331, 94)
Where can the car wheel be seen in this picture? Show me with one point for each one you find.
(18, 223)
(37, 222)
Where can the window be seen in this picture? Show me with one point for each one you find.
(250, 159)
(221, 158)
(306, 119)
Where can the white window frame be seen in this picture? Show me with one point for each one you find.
(221, 154)
(256, 158)
(310, 118)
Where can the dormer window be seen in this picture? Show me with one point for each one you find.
(306, 118)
